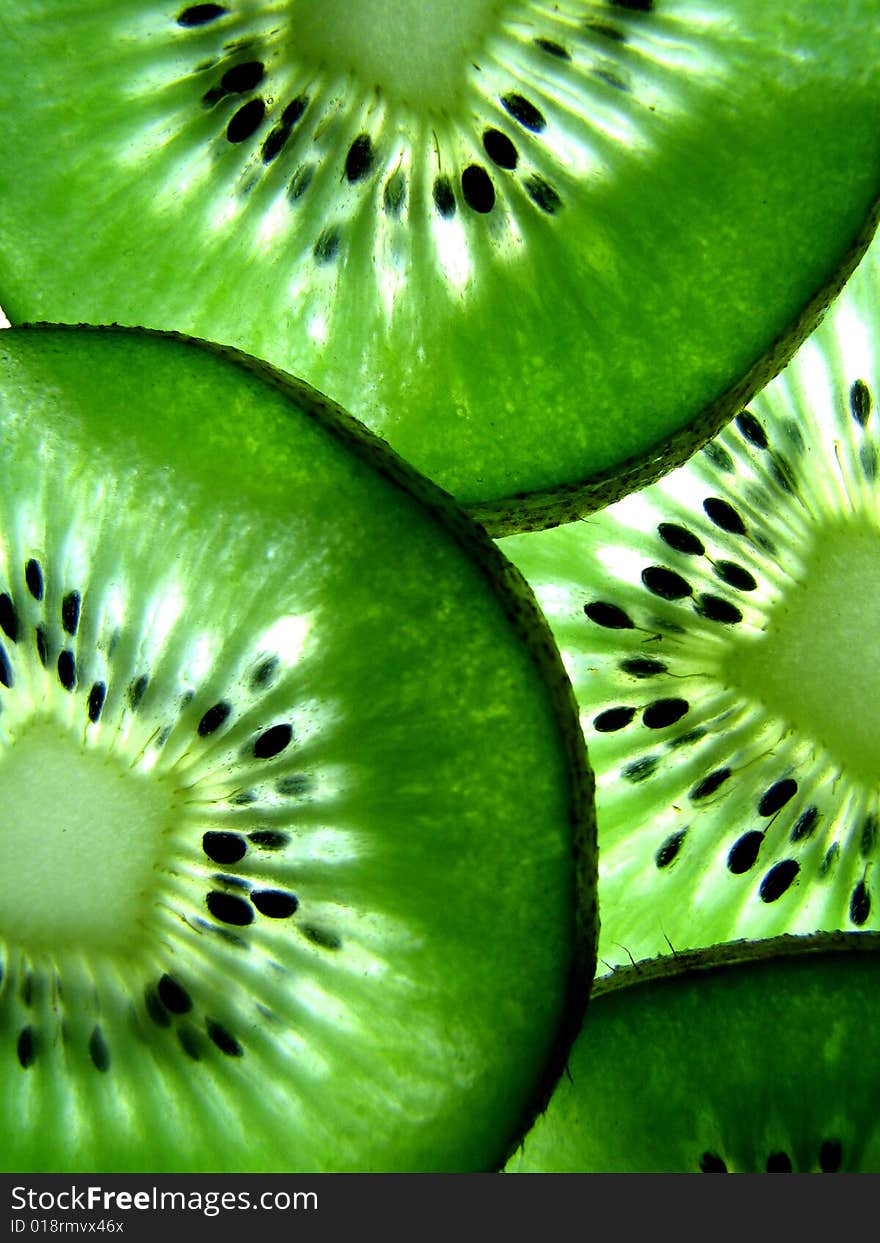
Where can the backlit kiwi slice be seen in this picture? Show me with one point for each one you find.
(746, 1058)
(544, 249)
(720, 628)
(294, 810)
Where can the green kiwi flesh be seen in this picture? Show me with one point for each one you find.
(296, 864)
(724, 1063)
(544, 250)
(720, 631)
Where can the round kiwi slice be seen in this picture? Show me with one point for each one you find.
(720, 631)
(545, 250)
(295, 864)
(742, 1058)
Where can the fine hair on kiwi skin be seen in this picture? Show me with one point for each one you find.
(718, 627)
(485, 236)
(748, 1057)
(253, 900)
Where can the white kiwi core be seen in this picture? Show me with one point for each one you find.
(80, 837)
(817, 664)
(411, 49)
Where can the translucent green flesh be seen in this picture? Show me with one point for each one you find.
(719, 628)
(731, 1069)
(817, 664)
(673, 195)
(246, 567)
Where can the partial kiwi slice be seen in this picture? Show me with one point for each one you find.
(296, 862)
(720, 631)
(749, 1057)
(546, 250)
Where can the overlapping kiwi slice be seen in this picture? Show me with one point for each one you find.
(718, 1062)
(720, 630)
(545, 249)
(296, 861)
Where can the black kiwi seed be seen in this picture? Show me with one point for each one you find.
(778, 1163)
(613, 719)
(33, 577)
(665, 583)
(830, 1156)
(8, 618)
(274, 903)
(300, 182)
(321, 937)
(229, 908)
(294, 110)
(98, 1051)
(360, 158)
(26, 1048)
(246, 121)
(805, 824)
(723, 515)
(643, 667)
(67, 670)
(681, 539)
(190, 1041)
(154, 1007)
(752, 430)
(173, 995)
(70, 607)
(272, 742)
(268, 839)
(42, 645)
(243, 77)
(213, 719)
(224, 847)
(664, 712)
(860, 402)
(225, 1042)
(552, 48)
(868, 837)
(717, 609)
(136, 691)
(640, 6)
(608, 615)
(199, 14)
(444, 197)
(524, 113)
(327, 245)
(860, 904)
(500, 149)
(711, 1163)
(734, 575)
(394, 194)
(97, 695)
(744, 852)
(640, 770)
(477, 189)
(668, 852)
(5, 670)
(709, 784)
(780, 878)
(777, 796)
(542, 194)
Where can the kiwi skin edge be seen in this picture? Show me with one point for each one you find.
(520, 607)
(535, 511)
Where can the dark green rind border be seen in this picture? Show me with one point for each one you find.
(735, 954)
(551, 507)
(520, 607)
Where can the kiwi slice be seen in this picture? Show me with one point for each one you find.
(742, 1058)
(546, 250)
(719, 627)
(296, 868)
